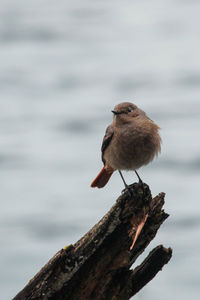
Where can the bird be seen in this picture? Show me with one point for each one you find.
(131, 141)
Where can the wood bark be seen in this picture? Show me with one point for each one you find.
(98, 265)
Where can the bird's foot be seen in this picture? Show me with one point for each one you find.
(130, 190)
(141, 184)
(142, 187)
(144, 191)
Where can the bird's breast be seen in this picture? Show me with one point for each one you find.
(133, 146)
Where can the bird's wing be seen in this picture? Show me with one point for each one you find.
(106, 140)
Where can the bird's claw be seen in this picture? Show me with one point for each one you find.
(129, 190)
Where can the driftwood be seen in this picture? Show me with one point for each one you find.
(98, 265)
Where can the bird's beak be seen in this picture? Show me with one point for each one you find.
(116, 112)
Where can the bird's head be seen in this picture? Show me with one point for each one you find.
(126, 110)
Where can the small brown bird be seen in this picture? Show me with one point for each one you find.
(131, 141)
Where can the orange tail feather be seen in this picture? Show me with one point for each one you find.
(102, 178)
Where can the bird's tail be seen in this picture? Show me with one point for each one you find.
(103, 177)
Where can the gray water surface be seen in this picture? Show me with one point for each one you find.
(63, 66)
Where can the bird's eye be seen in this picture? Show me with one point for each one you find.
(129, 109)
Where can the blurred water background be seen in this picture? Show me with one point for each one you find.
(63, 66)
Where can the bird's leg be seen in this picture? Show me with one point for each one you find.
(140, 180)
(126, 185)
(141, 183)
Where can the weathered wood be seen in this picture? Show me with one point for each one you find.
(98, 265)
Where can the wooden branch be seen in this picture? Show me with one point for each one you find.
(156, 259)
(98, 265)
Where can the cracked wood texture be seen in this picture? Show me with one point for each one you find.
(98, 265)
